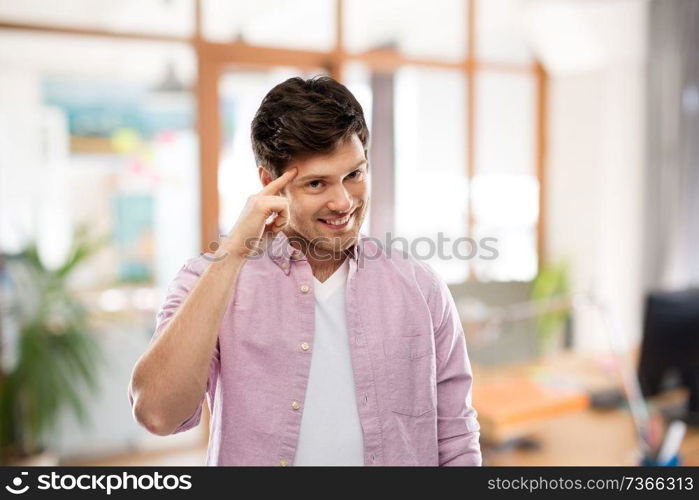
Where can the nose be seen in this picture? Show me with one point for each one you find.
(341, 201)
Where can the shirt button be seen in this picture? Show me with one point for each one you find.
(305, 346)
(285, 265)
(366, 399)
(295, 405)
(305, 288)
(373, 458)
(283, 462)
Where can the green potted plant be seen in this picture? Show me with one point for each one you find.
(56, 357)
(551, 283)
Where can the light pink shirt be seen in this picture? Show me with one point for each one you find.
(412, 374)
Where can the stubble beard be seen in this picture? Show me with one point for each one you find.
(320, 245)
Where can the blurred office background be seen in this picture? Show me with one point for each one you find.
(566, 129)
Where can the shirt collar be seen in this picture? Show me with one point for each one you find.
(282, 252)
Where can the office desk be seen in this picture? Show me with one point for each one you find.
(577, 437)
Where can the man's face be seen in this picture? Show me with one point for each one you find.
(329, 197)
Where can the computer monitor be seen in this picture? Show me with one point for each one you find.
(670, 347)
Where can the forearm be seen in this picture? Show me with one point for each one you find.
(170, 378)
(464, 448)
(458, 430)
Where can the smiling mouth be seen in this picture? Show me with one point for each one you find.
(338, 222)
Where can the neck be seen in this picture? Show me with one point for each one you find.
(323, 262)
(323, 269)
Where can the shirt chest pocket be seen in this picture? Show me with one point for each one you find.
(410, 367)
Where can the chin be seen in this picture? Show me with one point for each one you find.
(333, 243)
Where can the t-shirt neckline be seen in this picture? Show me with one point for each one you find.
(325, 289)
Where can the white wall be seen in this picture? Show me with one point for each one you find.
(596, 152)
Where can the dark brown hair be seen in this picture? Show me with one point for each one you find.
(300, 117)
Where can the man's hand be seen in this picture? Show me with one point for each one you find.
(252, 227)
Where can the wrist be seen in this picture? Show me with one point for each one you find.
(249, 248)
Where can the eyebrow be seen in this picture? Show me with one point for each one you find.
(320, 176)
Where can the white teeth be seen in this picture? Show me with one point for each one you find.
(338, 222)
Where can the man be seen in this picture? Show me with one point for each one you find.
(313, 344)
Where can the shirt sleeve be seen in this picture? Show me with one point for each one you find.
(458, 430)
(177, 292)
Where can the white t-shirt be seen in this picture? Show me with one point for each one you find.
(331, 432)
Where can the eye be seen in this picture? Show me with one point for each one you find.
(355, 175)
(314, 184)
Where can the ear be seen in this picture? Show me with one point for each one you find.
(265, 176)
